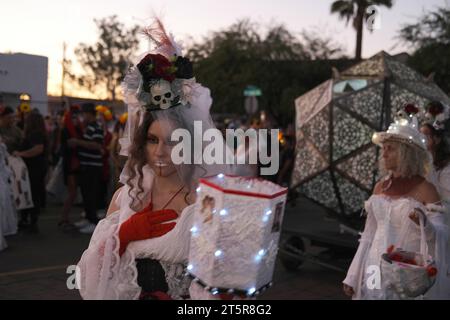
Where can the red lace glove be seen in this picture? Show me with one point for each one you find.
(145, 224)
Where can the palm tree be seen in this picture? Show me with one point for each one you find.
(356, 10)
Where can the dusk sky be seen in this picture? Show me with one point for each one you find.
(41, 27)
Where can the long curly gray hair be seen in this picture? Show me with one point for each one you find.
(411, 161)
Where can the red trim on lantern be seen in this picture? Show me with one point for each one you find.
(243, 193)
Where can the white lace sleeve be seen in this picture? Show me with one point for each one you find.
(172, 247)
(444, 183)
(356, 268)
(435, 215)
(437, 232)
(102, 273)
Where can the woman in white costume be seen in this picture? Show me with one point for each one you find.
(391, 211)
(436, 128)
(140, 250)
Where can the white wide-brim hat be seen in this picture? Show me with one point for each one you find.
(403, 131)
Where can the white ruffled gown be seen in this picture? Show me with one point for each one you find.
(441, 179)
(105, 275)
(385, 218)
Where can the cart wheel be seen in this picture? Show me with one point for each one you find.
(292, 246)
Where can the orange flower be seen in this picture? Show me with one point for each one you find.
(123, 118)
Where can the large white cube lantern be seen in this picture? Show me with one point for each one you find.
(235, 234)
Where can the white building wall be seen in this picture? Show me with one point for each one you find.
(24, 73)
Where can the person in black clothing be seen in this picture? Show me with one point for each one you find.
(89, 149)
(11, 134)
(34, 152)
(287, 158)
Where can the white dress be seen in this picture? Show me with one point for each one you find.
(385, 219)
(441, 179)
(21, 183)
(103, 274)
(8, 213)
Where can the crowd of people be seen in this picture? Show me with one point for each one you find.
(64, 156)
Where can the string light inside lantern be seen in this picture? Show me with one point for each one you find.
(260, 254)
(194, 230)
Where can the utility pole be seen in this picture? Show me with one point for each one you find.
(63, 78)
(63, 71)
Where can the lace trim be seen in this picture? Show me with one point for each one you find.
(177, 280)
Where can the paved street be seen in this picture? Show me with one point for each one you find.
(34, 266)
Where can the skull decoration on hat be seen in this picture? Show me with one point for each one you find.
(160, 80)
(163, 81)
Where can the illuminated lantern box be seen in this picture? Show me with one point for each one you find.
(235, 234)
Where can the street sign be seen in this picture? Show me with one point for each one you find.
(252, 91)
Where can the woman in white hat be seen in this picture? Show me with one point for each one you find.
(400, 200)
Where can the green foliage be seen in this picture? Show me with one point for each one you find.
(281, 64)
(105, 62)
(430, 39)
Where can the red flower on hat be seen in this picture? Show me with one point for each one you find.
(156, 66)
(435, 109)
(411, 109)
(431, 271)
(163, 68)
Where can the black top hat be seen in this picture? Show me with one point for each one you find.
(88, 107)
(4, 111)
